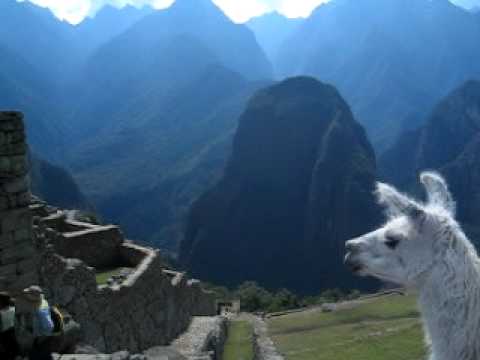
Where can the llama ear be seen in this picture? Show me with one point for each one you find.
(397, 204)
(437, 191)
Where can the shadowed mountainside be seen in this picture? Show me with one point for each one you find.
(175, 151)
(55, 185)
(298, 184)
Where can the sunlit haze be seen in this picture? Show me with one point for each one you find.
(75, 11)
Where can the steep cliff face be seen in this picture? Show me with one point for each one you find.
(297, 185)
(450, 143)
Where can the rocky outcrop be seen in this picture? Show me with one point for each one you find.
(17, 250)
(298, 184)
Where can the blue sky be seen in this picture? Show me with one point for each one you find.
(75, 11)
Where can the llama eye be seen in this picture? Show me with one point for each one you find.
(392, 242)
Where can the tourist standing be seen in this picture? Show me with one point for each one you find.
(33, 324)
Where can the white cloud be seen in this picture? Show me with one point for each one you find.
(469, 4)
(72, 11)
(243, 10)
(75, 11)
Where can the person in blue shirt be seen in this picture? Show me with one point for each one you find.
(33, 324)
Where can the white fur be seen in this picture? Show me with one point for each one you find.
(432, 256)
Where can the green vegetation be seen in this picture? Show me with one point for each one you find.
(255, 298)
(103, 276)
(239, 344)
(376, 329)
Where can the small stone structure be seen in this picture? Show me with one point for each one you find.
(149, 306)
(17, 250)
(228, 307)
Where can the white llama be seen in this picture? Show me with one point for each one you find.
(423, 248)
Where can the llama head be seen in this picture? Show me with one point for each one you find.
(408, 245)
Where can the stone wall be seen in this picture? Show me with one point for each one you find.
(98, 247)
(147, 310)
(17, 250)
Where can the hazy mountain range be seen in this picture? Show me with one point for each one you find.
(135, 112)
(391, 59)
(272, 30)
(449, 142)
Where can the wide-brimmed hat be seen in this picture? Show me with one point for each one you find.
(33, 294)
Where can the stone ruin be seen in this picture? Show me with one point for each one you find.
(17, 248)
(146, 306)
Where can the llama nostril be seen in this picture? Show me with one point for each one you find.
(351, 247)
(352, 264)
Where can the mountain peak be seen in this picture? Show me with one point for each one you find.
(282, 184)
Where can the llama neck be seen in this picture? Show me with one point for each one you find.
(449, 300)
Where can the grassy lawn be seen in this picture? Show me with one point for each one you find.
(378, 329)
(103, 276)
(239, 344)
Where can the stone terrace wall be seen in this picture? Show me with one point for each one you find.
(97, 246)
(148, 309)
(17, 250)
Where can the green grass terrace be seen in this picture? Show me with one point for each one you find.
(239, 345)
(382, 328)
(102, 276)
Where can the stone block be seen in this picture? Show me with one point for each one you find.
(15, 219)
(14, 149)
(6, 240)
(11, 121)
(25, 266)
(4, 283)
(8, 270)
(16, 253)
(23, 234)
(18, 164)
(3, 203)
(23, 199)
(16, 137)
(121, 355)
(19, 185)
(7, 125)
(5, 166)
(23, 281)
